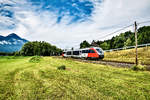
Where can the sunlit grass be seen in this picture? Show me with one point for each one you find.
(129, 55)
(21, 79)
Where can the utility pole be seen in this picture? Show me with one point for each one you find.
(136, 57)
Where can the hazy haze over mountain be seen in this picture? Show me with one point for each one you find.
(11, 43)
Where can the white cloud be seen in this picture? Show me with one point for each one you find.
(107, 17)
(115, 12)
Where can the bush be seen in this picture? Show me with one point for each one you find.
(35, 59)
(17, 54)
(63, 67)
(138, 68)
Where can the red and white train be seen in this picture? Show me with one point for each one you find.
(86, 53)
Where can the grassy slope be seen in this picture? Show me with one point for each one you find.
(129, 55)
(20, 79)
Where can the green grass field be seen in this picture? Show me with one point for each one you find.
(24, 80)
(129, 55)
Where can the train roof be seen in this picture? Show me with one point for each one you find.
(90, 48)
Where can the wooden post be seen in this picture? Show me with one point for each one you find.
(136, 53)
(146, 47)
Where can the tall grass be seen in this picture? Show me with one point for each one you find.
(129, 55)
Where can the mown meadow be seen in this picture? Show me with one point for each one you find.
(24, 78)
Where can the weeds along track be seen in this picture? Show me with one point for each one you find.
(118, 64)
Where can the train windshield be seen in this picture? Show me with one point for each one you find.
(99, 50)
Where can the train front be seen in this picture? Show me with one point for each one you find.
(100, 53)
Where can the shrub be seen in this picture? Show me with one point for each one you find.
(138, 68)
(35, 59)
(17, 54)
(63, 67)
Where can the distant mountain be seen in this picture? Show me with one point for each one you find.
(11, 43)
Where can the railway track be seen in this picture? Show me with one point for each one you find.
(107, 62)
(112, 63)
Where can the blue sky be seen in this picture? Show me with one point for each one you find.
(65, 23)
(7, 14)
(78, 10)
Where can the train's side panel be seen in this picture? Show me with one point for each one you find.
(74, 54)
(100, 53)
(64, 54)
(93, 55)
(84, 55)
(68, 54)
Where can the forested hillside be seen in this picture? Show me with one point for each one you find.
(122, 40)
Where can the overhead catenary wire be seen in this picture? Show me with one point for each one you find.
(144, 22)
(148, 21)
(116, 31)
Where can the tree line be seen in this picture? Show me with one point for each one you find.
(7, 53)
(36, 48)
(123, 40)
(39, 49)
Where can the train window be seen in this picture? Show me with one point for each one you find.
(85, 51)
(75, 52)
(64, 52)
(69, 53)
(99, 50)
(82, 51)
(92, 51)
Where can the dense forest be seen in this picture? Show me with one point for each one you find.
(40, 49)
(122, 40)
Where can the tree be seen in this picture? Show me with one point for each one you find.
(40, 49)
(128, 42)
(94, 44)
(144, 35)
(84, 44)
(144, 38)
(105, 46)
(119, 41)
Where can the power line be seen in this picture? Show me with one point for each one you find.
(123, 29)
(116, 31)
(144, 22)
